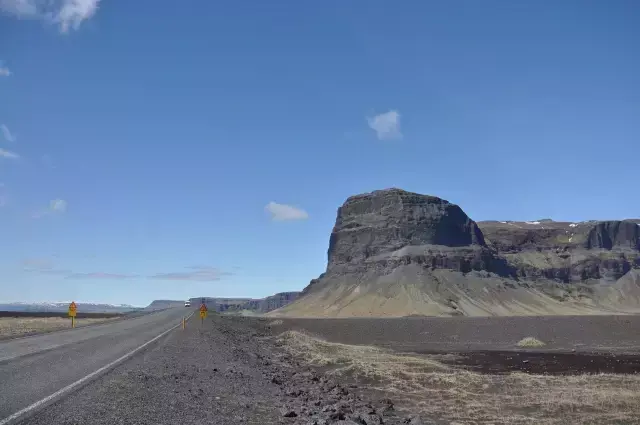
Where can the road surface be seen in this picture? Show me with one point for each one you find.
(35, 367)
(220, 371)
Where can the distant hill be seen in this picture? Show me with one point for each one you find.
(397, 253)
(162, 304)
(55, 307)
(255, 305)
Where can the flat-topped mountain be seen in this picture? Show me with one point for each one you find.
(385, 221)
(397, 253)
(255, 305)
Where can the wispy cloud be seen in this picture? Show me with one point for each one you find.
(4, 71)
(56, 206)
(37, 263)
(67, 14)
(101, 275)
(46, 266)
(386, 126)
(42, 265)
(8, 154)
(283, 212)
(194, 273)
(7, 134)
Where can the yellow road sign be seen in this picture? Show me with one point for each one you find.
(203, 311)
(72, 309)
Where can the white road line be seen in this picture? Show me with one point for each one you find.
(81, 381)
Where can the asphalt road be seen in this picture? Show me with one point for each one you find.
(33, 368)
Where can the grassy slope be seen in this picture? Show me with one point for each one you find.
(444, 293)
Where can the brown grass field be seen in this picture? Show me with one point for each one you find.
(11, 327)
(507, 379)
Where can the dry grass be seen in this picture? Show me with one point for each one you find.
(17, 326)
(459, 396)
(530, 342)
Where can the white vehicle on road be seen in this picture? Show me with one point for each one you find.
(187, 303)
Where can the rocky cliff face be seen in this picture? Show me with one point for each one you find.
(393, 253)
(387, 229)
(614, 234)
(567, 252)
(387, 220)
(278, 300)
(256, 305)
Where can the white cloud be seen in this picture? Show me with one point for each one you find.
(58, 205)
(197, 273)
(386, 126)
(7, 134)
(4, 71)
(282, 212)
(73, 12)
(68, 14)
(8, 154)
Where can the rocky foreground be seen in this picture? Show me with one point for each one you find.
(225, 372)
(397, 253)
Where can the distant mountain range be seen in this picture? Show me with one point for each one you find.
(255, 305)
(64, 306)
(162, 304)
(232, 305)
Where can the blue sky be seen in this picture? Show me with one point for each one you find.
(143, 143)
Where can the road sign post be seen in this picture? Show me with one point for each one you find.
(203, 313)
(72, 313)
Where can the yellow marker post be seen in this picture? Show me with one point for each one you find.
(184, 323)
(72, 313)
(203, 313)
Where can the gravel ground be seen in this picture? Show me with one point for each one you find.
(495, 362)
(224, 372)
(587, 334)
